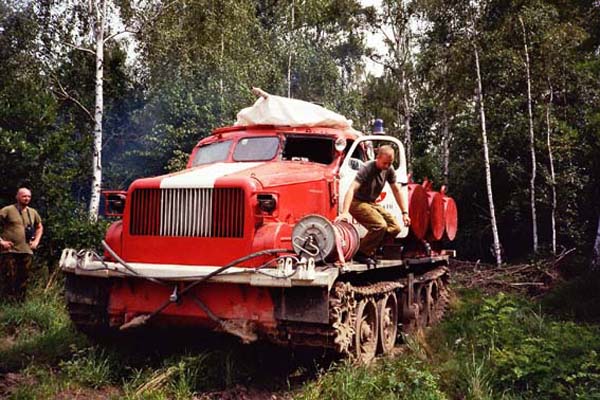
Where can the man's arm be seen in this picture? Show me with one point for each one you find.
(4, 244)
(38, 236)
(345, 212)
(402, 200)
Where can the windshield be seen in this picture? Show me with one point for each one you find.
(211, 153)
(256, 149)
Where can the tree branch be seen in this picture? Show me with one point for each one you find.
(67, 96)
(142, 24)
(112, 36)
(84, 49)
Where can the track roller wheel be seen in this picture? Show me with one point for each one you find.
(387, 312)
(366, 328)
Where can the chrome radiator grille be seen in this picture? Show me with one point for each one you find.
(188, 212)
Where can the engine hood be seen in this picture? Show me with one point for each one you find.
(287, 172)
(265, 174)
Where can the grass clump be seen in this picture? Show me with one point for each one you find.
(181, 376)
(402, 378)
(92, 367)
(37, 329)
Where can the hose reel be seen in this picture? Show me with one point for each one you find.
(314, 236)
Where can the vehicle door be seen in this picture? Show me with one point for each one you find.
(363, 150)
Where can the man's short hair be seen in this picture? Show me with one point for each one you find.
(385, 149)
(23, 188)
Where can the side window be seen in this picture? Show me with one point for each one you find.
(358, 153)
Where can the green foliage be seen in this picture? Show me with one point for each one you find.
(513, 349)
(66, 227)
(404, 378)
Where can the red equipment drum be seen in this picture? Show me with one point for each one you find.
(418, 210)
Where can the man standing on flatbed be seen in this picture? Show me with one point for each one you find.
(360, 203)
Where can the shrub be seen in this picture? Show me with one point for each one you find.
(527, 354)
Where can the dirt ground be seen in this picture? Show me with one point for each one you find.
(10, 381)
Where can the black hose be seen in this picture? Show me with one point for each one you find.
(126, 266)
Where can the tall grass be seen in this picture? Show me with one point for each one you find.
(37, 329)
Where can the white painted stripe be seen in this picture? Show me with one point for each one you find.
(205, 177)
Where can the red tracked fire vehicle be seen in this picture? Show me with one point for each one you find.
(243, 241)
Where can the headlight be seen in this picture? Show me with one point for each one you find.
(267, 203)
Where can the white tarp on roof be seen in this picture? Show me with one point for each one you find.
(276, 110)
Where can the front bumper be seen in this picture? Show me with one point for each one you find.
(287, 274)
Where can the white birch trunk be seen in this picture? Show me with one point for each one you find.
(531, 143)
(445, 145)
(552, 175)
(488, 174)
(221, 73)
(407, 116)
(100, 20)
(289, 71)
(596, 252)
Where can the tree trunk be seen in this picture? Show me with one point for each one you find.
(445, 145)
(407, 116)
(221, 84)
(289, 71)
(100, 11)
(596, 252)
(488, 174)
(552, 175)
(531, 143)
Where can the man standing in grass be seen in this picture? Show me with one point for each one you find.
(20, 233)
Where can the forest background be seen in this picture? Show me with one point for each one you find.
(498, 100)
(175, 70)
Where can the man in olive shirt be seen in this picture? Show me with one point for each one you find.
(359, 202)
(21, 231)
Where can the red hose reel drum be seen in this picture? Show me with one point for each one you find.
(451, 215)
(418, 210)
(315, 236)
(437, 215)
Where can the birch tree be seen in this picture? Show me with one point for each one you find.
(290, 47)
(446, 139)
(88, 26)
(98, 10)
(531, 139)
(551, 162)
(486, 156)
(596, 251)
